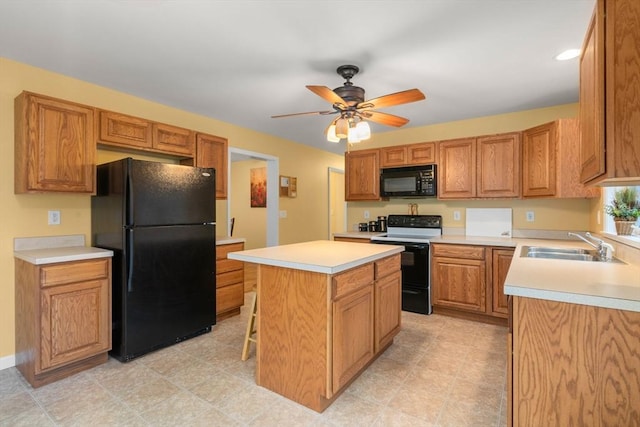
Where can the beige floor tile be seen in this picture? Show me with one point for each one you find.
(439, 371)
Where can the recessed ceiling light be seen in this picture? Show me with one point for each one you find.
(568, 54)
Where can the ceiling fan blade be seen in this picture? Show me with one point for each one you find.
(384, 118)
(328, 95)
(404, 97)
(322, 113)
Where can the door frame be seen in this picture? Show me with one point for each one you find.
(330, 191)
(273, 173)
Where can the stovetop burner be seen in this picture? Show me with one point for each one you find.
(411, 228)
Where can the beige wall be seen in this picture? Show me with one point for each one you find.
(250, 223)
(26, 215)
(550, 214)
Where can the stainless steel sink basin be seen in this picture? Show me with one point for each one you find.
(573, 254)
(532, 249)
(561, 255)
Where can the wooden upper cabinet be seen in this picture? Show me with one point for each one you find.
(362, 175)
(551, 163)
(211, 152)
(137, 133)
(498, 165)
(457, 169)
(609, 102)
(54, 145)
(423, 153)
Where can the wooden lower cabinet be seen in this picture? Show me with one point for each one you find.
(573, 365)
(229, 281)
(63, 318)
(468, 281)
(318, 332)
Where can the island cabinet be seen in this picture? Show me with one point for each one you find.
(550, 161)
(362, 175)
(468, 281)
(609, 102)
(54, 145)
(141, 134)
(317, 332)
(482, 167)
(63, 318)
(423, 153)
(572, 365)
(229, 281)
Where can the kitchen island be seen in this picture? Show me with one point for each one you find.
(326, 311)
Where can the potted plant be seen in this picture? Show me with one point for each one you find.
(625, 209)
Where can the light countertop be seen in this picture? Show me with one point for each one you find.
(53, 249)
(320, 256)
(359, 234)
(227, 240)
(601, 284)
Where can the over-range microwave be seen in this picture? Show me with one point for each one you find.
(408, 181)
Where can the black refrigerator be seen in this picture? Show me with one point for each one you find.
(159, 221)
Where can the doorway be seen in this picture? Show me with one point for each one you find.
(272, 165)
(337, 205)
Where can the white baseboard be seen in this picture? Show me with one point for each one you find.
(7, 362)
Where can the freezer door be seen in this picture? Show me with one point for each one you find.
(163, 194)
(168, 289)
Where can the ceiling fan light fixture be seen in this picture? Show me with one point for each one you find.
(364, 131)
(331, 134)
(342, 127)
(353, 137)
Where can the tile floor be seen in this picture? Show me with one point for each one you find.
(440, 371)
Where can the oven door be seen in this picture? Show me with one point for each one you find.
(416, 295)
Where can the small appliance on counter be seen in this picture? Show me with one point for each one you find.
(363, 226)
(382, 223)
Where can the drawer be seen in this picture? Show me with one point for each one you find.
(223, 250)
(386, 266)
(350, 280)
(75, 271)
(226, 279)
(458, 251)
(226, 265)
(229, 297)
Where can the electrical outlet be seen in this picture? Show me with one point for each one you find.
(54, 218)
(456, 215)
(531, 216)
(283, 214)
(366, 214)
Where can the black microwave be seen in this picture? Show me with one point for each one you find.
(408, 181)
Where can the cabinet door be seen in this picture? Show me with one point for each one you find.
(498, 165)
(362, 176)
(457, 169)
(55, 145)
(75, 322)
(211, 152)
(388, 302)
(459, 283)
(501, 261)
(592, 120)
(393, 156)
(128, 131)
(353, 336)
(539, 149)
(421, 154)
(173, 139)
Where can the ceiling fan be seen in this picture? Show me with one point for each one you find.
(348, 101)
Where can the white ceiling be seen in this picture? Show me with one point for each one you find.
(242, 61)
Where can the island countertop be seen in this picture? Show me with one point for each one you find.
(320, 256)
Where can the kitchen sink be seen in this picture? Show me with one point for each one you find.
(573, 254)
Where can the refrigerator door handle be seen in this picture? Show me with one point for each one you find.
(130, 261)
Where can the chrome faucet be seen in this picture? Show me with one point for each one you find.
(605, 250)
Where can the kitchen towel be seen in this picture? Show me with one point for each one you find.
(488, 222)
